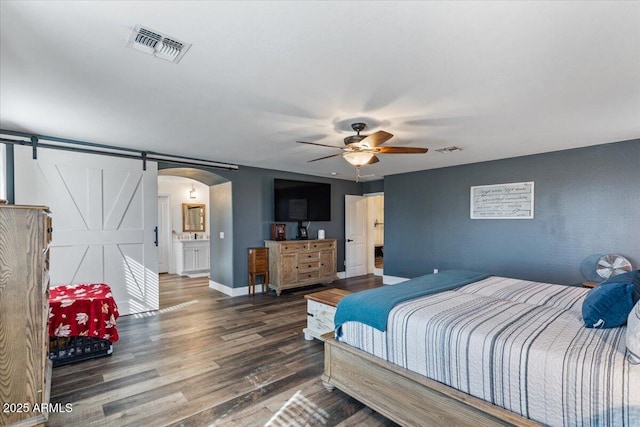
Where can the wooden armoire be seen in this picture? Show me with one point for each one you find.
(25, 370)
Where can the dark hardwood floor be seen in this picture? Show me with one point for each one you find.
(208, 359)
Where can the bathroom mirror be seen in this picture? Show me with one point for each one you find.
(192, 217)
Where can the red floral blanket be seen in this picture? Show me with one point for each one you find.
(87, 310)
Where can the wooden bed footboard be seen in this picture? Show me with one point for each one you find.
(405, 397)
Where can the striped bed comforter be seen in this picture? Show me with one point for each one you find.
(520, 345)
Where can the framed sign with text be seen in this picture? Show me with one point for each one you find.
(502, 201)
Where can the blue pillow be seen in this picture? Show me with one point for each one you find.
(607, 305)
(632, 277)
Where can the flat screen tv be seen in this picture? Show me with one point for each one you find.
(301, 201)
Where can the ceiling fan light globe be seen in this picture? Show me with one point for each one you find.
(358, 158)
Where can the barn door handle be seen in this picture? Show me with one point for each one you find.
(349, 240)
(155, 230)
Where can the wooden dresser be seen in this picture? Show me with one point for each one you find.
(25, 370)
(296, 263)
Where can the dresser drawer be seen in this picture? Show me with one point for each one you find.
(320, 326)
(48, 230)
(302, 276)
(258, 256)
(308, 256)
(319, 309)
(320, 316)
(258, 264)
(294, 246)
(304, 267)
(322, 245)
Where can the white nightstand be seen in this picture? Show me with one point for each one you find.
(321, 307)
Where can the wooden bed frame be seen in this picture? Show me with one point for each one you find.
(403, 396)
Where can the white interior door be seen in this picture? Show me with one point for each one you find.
(104, 213)
(164, 230)
(355, 236)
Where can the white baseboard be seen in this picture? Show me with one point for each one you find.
(378, 272)
(342, 274)
(393, 280)
(233, 292)
(192, 275)
(244, 290)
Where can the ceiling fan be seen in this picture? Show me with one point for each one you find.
(361, 150)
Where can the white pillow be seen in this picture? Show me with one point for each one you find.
(633, 334)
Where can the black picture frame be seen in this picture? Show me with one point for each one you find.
(302, 233)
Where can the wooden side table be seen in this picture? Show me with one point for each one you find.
(321, 308)
(258, 265)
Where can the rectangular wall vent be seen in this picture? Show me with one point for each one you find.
(447, 150)
(157, 44)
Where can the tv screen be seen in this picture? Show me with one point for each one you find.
(301, 201)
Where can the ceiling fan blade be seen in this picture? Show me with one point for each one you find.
(376, 138)
(400, 150)
(373, 160)
(325, 157)
(320, 145)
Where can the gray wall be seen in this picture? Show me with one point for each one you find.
(221, 221)
(373, 186)
(251, 213)
(587, 203)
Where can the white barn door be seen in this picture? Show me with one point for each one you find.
(104, 213)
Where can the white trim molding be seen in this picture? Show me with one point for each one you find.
(244, 290)
(233, 292)
(393, 280)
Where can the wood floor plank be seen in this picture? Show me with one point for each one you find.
(208, 359)
(98, 388)
(365, 417)
(154, 385)
(131, 413)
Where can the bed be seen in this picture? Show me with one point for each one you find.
(485, 350)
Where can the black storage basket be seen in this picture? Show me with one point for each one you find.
(65, 350)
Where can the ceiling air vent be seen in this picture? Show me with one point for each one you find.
(157, 44)
(447, 150)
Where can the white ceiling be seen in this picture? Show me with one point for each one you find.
(498, 79)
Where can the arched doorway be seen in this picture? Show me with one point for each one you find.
(174, 193)
(219, 219)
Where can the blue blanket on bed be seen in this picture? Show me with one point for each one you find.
(372, 306)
